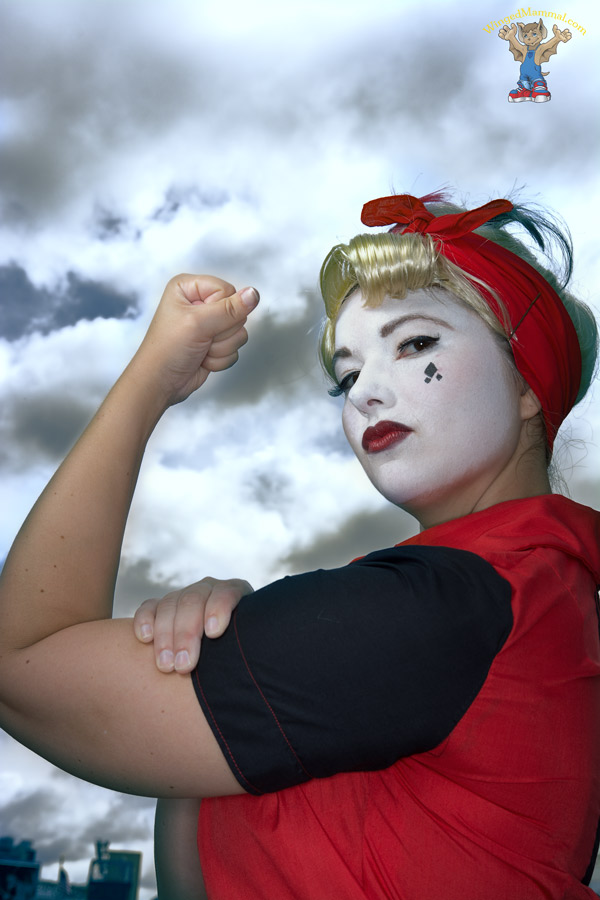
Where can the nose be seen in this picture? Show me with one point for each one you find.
(370, 391)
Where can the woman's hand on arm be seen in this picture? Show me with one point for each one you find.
(177, 623)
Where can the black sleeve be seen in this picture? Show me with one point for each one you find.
(350, 669)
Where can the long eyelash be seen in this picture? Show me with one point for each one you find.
(339, 389)
(429, 339)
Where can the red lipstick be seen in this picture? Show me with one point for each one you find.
(383, 435)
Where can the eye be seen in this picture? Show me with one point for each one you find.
(417, 345)
(347, 382)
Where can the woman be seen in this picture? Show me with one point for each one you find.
(444, 744)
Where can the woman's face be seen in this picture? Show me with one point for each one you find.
(432, 410)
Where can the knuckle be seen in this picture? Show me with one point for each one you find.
(146, 606)
(228, 287)
(208, 580)
(190, 600)
(182, 638)
(162, 641)
(230, 308)
(187, 638)
(225, 599)
(175, 282)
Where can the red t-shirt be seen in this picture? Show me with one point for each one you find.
(507, 806)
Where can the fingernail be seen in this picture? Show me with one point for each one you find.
(182, 659)
(165, 659)
(211, 626)
(250, 297)
(146, 632)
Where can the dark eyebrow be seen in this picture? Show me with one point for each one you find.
(395, 323)
(343, 353)
(388, 328)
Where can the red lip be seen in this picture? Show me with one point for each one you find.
(383, 435)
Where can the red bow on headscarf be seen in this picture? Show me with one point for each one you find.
(409, 214)
(546, 347)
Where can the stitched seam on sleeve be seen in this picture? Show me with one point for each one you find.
(267, 704)
(196, 677)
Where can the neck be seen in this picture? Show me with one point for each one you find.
(525, 475)
(438, 515)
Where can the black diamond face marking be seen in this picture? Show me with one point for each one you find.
(430, 371)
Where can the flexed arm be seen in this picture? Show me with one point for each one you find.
(76, 686)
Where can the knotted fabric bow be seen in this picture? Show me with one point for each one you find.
(543, 339)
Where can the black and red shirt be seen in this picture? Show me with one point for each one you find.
(420, 724)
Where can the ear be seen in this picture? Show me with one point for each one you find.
(543, 30)
(529, 405)
(520, 26)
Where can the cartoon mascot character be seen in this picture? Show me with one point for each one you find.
(531, 53)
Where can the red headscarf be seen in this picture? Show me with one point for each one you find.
(543, 338)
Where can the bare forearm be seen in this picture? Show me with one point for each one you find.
(62, 566)
(178, 871)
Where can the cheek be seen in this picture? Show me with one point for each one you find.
(491, 401)
(351, 425)
(440, 381)
(472, 388)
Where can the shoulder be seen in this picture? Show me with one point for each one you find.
(411, 587)
(437, 578)
(400, 641)
(509, 531)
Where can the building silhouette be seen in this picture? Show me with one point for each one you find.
(113, 875)
(19, 870)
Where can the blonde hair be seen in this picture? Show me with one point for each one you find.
(392, 264)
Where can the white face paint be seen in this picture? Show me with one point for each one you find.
(433, 367)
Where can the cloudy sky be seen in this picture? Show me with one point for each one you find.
(143, 138)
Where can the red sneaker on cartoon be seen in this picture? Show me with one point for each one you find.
(518, 94)
(540, 92)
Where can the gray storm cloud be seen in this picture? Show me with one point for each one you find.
(26, 308)
(339, 542)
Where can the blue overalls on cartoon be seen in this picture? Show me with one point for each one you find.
(530, 52)
(531, 80)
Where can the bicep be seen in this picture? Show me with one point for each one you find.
(90, 700)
